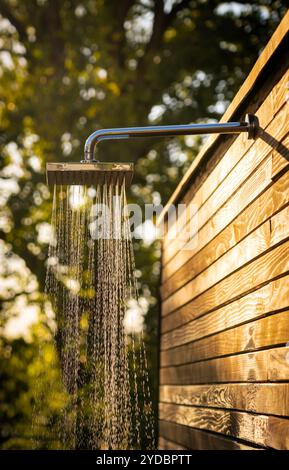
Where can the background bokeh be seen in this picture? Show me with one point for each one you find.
(68, 67)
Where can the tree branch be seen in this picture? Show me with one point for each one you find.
(161, 22)
(123, 10)
(155, 39)
(159, 26)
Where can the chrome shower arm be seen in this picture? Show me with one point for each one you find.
(249, 125)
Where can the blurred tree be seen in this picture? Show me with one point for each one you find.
(69, 67)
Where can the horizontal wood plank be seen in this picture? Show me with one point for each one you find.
(267, 299)
(266, 236)
(266, 398)
(195, 439)
(265, 268)
(266, 113)
(269, 331)
(260, 366)
(268, 431)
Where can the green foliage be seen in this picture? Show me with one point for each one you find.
(69, 67)
(29, 376)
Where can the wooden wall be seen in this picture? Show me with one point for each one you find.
(224, 363)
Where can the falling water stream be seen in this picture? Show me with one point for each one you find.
(90, 281)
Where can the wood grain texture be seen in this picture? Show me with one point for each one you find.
(249, 248)
(268, 431)
(265, 398)
(247, 162)
(250, 190)
(267, 299)
(265, 268)
(266, 236)
(228, 238)
(269, 331)
(261, 366)
(272, 200)
(195, 439)
(279, 364)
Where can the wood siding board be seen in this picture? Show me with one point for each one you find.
(266, 332)
(269, 298)
(258, 242)
(253, 275)
(264, 430)
(165, 444)
(196, 439)
(261, 366)
(263, 398)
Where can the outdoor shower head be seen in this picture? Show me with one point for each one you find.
(90, 171)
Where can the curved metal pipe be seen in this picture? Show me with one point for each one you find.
(249, 125)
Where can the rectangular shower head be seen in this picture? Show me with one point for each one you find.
(88, 173)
